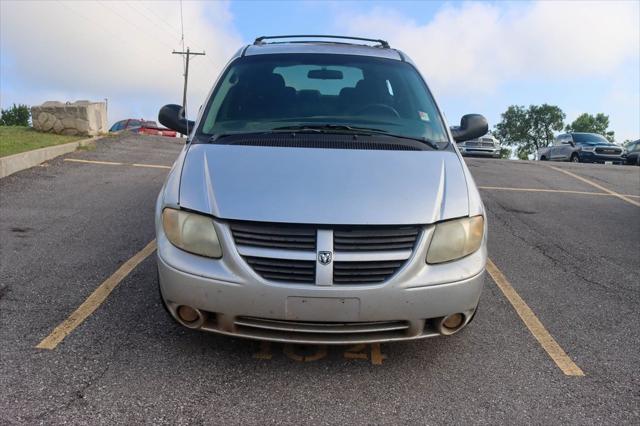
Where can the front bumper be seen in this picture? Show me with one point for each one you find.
(236, 301)
(592, 157)
(480, 152)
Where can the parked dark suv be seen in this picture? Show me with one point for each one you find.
(582, 148)
(633, 153)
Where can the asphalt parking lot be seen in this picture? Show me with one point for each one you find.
(564, 240)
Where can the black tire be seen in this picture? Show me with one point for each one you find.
(574, 158)
(543, 158)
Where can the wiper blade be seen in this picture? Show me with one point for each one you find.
(355, 129)
(426, 141)
(321, 127)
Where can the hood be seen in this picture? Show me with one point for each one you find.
(323, 186)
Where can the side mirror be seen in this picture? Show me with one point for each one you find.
(172, 117)
(472, 126)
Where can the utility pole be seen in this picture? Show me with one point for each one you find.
(186, 73)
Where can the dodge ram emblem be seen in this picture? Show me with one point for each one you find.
(324, 257)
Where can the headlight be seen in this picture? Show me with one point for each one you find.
(455, 239)
(191, 232)
(589, 149)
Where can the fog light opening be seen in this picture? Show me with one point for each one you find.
(451, 323)
(190, 317)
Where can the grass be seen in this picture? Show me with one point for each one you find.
(16, 139)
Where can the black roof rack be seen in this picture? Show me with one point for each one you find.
(381, 43)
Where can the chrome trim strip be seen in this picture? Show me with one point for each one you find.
(276, 253)
(370, 256)
(322, 328)
(324, 242)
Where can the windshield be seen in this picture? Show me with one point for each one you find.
(589, 138)
(266, 92)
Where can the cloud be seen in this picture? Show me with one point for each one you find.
(474, 47)
(118, 50)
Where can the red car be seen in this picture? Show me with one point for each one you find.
(142, 127)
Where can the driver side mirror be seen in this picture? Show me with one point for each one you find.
(472, 126)
(172, 116)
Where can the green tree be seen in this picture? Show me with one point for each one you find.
(17, 115)
(529, 128)
(505, 152)
(598, 123)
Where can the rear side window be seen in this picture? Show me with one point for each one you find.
(298, 77)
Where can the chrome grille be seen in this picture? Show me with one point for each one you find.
(289, 270)
(608, 151)
(365, 272)
(288, 253)
(280, 236)
(375, 239)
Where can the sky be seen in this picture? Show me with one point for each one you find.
(477, 57)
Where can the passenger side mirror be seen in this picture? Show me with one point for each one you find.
(472, 126)
(172, 117)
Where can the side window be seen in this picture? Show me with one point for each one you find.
(558, 140)
(132, 124)
(117, 126)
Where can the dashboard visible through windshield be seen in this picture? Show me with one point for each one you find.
(264, 93)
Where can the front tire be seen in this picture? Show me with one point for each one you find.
(574, 158)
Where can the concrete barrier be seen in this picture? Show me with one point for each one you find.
(26, 160)
(71, 118)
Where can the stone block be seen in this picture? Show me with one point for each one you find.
(82, 126)
(57, 126)
(81, 117)
(68, 122)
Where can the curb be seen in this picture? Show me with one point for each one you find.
(25, 160)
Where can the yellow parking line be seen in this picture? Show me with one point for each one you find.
(108, 163)
(153, 166)
(595, 185)
(561, 191)
(112, 163)
(94, 300)
(548, 343)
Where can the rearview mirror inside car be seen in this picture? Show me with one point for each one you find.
(172, 116)
(472, 126)
(324, 74)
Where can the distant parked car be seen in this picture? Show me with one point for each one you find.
(582, 148)
(142, 127)
(486, 146)
(633, 153)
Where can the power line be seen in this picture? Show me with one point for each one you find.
(132, 24)
(106, 28)
(182, 27)
(172, 35)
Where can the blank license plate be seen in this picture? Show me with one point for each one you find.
(323, 309)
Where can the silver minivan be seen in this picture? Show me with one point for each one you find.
(321, 198)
